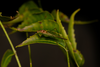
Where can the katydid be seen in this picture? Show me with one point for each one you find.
(50, 34)
(35, 19)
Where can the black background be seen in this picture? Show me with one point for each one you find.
(43, 55)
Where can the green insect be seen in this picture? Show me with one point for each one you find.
(35, 19)
(50, 34)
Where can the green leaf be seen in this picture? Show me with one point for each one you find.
(35, 10)
(21, 17)
(77, 55)
(4, 18)
(64, 35)
(36, 38)
(71, 34)
(30, 18)
(40, 25)
(42, 39)
(16, 20)
(7, 58)
(62, 16)
(27, 6)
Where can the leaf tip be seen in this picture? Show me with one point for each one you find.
(18, 45)
(13, 28)
(17, 29)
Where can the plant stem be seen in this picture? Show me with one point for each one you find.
(29, 50)
(17, 59)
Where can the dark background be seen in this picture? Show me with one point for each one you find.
(43, 55)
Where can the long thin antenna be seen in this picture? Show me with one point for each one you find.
(39, 2)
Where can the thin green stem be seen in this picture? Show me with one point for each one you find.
(68, 59)
(17, 59)
(29, 50)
